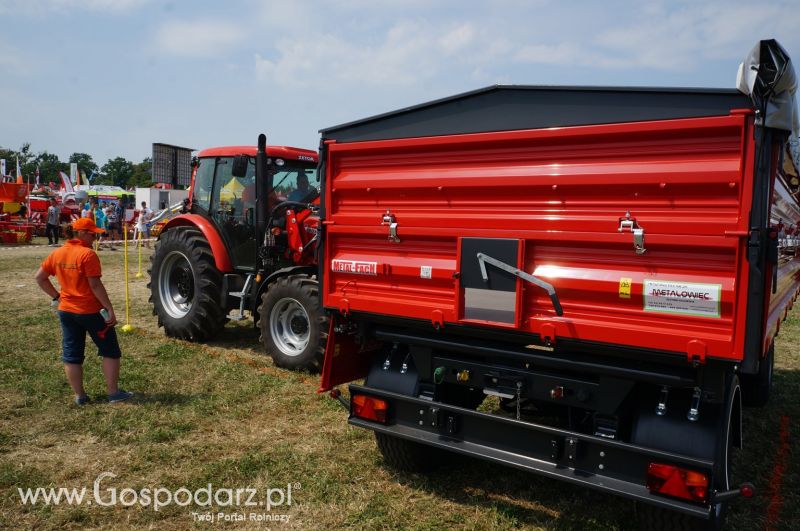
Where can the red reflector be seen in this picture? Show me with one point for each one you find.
(747, 490)
(370, 408)
(678, 482)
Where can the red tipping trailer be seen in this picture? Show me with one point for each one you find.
(611, 263)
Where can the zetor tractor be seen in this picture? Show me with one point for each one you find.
(248, 242)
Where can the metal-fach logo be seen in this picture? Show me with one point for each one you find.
(242, 504)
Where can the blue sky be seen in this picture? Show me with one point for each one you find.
(110, 77)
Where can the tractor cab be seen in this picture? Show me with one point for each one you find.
(225, 190)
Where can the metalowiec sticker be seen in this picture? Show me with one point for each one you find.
(354, 267)
(684, 298)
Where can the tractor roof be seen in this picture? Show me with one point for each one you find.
(515, 107)
(285, 152)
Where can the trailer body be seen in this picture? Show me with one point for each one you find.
(617, 259)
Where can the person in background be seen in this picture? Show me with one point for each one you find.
(113, 225)
(119, 213)
(80, 303)
(303, 190)
(87, 211)
(142, 224)
(52, 228)
(100, 221)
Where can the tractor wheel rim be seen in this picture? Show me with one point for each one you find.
(289, 326)
(176, 285)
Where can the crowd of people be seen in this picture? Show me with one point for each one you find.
(109, 216)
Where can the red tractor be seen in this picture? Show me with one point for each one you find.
(247, 243)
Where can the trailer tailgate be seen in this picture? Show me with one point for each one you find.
(640, 228)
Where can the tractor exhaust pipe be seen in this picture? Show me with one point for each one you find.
(263, 184)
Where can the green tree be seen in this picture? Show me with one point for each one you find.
(49, 165)
(142, 174)
(118, 171)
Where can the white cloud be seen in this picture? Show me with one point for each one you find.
(406, 53)
(199, 38)
(457, 39)
(42, 7)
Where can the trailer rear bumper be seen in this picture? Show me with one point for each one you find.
(590, 461)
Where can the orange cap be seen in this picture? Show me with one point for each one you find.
(86, 224)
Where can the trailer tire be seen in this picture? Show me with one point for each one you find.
(657, 518)
(408, 456)
(185, 286)
(294, 328)
(756, 388)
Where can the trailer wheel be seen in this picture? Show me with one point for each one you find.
(756, 388)
(294, 329)
(185, 286)
(657, 518)
(408, 456)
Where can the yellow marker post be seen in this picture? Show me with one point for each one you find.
(141, 244)
(127, 326)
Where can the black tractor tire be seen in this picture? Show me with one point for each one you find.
(185, 286)
(756, 388)
(409, 456)
(294, 328)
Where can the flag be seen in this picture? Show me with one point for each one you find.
(37, 177)
(66, 182)
(19, 173)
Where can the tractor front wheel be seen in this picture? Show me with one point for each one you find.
(185, 286)
(294, 329)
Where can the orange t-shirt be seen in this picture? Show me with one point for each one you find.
(71, 265)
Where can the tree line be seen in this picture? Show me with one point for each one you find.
(117, 171)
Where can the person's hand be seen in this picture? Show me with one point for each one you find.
(112, 318)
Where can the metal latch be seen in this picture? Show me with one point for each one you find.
(389, 219)
(630, 224)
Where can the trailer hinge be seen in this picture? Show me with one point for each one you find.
(630, 224)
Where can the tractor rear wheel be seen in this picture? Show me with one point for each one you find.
(294, 329)
(185, 286)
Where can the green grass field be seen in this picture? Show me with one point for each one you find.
(223, 414)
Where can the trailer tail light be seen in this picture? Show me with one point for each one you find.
(369, 408)
(678, 482)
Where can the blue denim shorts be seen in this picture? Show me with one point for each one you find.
(74, 327)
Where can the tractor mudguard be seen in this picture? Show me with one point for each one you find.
(286, 271)
(221, 257)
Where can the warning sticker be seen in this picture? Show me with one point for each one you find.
(685, 298)
(625, 288)
(425, 272)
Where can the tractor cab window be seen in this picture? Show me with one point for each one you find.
(203, 184)
(233, 209)
(295, 181)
